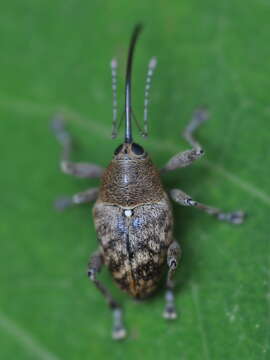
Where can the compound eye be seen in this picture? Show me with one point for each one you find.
(118, 149)
(137, 149)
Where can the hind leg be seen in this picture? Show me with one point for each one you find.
(94, 267)
(173, 257)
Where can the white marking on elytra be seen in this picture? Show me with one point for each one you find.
(128, 212)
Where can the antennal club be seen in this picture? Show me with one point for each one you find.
(151, 68)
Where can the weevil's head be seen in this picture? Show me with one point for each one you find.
(130, 151)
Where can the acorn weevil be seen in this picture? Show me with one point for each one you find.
(132, 212)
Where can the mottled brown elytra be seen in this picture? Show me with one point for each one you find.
(132, 212)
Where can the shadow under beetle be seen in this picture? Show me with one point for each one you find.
(132, 212)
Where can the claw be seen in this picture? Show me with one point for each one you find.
(170, 313)
(62, 203)
(119, 334)
(237, 217)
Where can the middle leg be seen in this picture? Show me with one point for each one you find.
(80, 198)
(234, 217)
(94, 267)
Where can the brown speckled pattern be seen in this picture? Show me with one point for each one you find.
(131, 182)
(135, 248)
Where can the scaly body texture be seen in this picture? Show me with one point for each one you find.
(133, 221)
(134, 243)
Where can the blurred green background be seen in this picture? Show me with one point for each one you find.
(54, 57)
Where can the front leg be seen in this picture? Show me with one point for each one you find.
(187, 157)
(235, 217)
(182, 159)
(173, 256)
(82, 170)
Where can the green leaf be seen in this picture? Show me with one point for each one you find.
(55, 57)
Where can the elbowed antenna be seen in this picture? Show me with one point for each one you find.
(114, 91)
(151, 68)
(128, 109)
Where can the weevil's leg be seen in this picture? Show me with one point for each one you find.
(182, 159)
(234, 217)
(83, 197)
(82, 170)
(187, 157)
(94, 267)
(199, 116)
(173, 257)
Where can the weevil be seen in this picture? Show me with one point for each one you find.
(132, 211)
